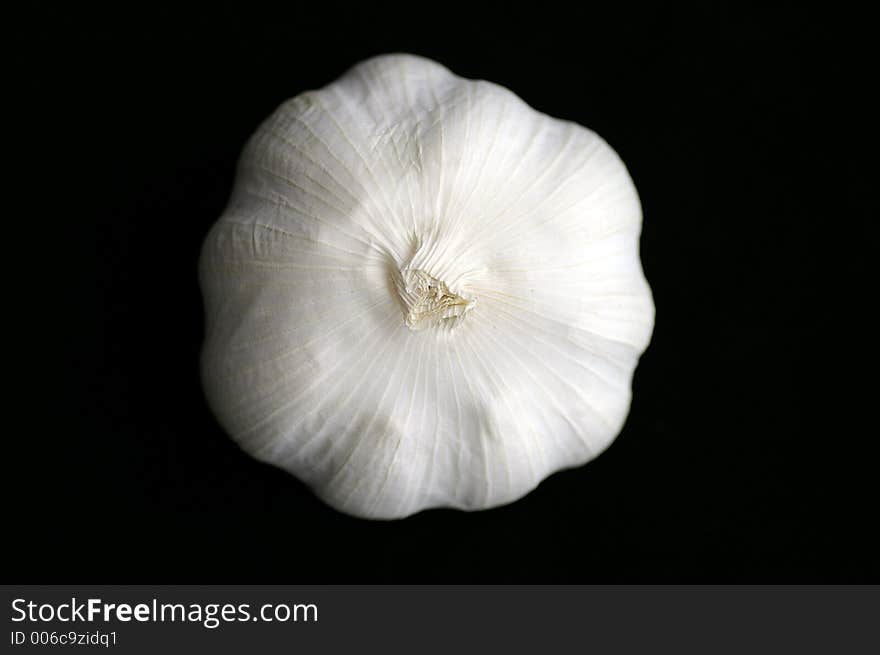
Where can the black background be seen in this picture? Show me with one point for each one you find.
(745, 457)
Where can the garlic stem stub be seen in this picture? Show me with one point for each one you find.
(423, 293)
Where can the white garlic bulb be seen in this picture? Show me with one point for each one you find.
(423, 292)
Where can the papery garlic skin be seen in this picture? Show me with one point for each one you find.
(423, 293)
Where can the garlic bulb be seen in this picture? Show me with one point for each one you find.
(423, 292)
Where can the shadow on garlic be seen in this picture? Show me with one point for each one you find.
(423, 293)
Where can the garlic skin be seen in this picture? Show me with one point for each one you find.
(423, 293)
